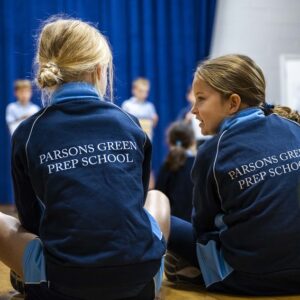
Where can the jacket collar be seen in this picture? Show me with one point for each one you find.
(75, 91)
(244, 115)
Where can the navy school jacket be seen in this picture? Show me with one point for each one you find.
(80, 170)
(246, 200)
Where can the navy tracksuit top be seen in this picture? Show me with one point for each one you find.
(81, 169)
(247, 202)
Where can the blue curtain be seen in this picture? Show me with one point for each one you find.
(160, 39)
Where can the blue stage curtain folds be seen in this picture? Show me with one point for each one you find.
(160, 39)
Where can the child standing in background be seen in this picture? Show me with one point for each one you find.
(174, 178)
(23, 108)
(138, 105)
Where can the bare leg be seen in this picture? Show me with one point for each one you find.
(13, 241)
(157, 204)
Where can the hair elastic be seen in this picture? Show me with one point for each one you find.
(267, 108)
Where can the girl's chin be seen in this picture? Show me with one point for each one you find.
(203, 130)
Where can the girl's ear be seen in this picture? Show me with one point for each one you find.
(234, 103)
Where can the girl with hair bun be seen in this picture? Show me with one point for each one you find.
(246, 214)
(80, 170)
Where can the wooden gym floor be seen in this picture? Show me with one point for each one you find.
(169, 291)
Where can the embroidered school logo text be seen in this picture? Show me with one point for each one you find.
(88, 155)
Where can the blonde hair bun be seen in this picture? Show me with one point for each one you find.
(49, 75)
(70, 50)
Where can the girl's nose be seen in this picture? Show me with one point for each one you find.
(193, 110)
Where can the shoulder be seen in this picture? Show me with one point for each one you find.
(11, 106)
(123, 115)
(210, 146)
(23, 130)
(127, 102)
(121, 112)
(207, 154)
(34, 106)
(276, 118)
(256, 131)
(149, 105)
(128, 105)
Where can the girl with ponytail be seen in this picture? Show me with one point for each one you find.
(174, 176)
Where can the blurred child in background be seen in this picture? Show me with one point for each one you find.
(174, 178)
(142, 109)
(138, 105)
(21, 109)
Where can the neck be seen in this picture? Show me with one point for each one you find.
(23, 103)
(243, 106)
(139, 100)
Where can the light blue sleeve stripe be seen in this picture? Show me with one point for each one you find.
(154, 225)
(34, 263)
(158, 278)
(213, 266)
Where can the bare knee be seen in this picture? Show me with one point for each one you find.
(8, 225)
(13, 241)
(157, 204)
(5, 226)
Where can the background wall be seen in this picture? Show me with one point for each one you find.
(264, 30)
(159, 39)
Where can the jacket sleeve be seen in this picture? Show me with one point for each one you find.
(28, 207)
(206, 204)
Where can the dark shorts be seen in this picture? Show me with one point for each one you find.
(37, 286)
(43, 292)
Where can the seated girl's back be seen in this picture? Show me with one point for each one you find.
(81, 169)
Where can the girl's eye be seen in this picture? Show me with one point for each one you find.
(200, 99)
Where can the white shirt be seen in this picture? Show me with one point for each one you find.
(16, 113)
(144, 111)
(140, 109)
